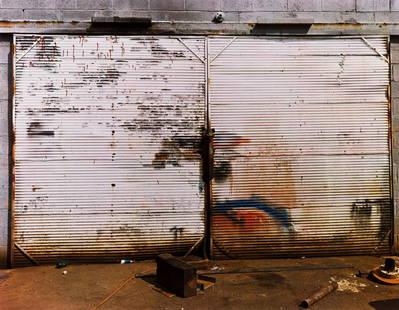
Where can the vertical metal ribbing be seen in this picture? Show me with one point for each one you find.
(208, 158)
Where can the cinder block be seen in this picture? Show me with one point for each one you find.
(4, 53)
(20, 4)
(395, 159)
(4, 188)
(394, 5)
(338, 5)
(304, 5)
(106, 13)
(4, 143)
(395, 72)
(395, 106)
(65, 4)
(3, 166)
(386, 17)
(395, 179)
(11, 14)
(4, 135)
(42, 15)
(394, 49)
(94, 4)
(170, 5)
(394, 56)
(255, 17)
(372, 5)
(4, 81)
(3, 108)
(238, 5)
(318, 17)
(46, 4)
(3, 231)
(394, 89)
(198, 16)
(131, 5)
(395, 139)
(395, 124)
(203, 5)
(356, 18)
(270, 5)
(78, 16)
(176, 275)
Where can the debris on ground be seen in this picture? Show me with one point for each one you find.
(61, 264)
(216, 268)
(345, 285)
(320, 294)
(274, 269)
(361, 274)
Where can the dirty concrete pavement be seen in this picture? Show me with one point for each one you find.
(85, 286)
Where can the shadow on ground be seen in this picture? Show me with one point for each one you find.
(388, 304)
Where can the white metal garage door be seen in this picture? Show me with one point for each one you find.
(107, 133)
(301, 146)
(107, 150)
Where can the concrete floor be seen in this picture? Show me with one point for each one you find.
(85, 286)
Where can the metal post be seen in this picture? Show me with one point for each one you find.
(394, 143)
(207, 158)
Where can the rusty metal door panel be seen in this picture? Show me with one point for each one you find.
(107, 133)
(301, 163)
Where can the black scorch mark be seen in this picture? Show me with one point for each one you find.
(35, 128)
(101, 76)
(176, 149)
(177, 231)
(47, 53)
(362, 211)
(158, 50)
(225, 145)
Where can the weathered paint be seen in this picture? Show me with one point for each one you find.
(108, 135)
(107, 160)
(301, 146)
(5, 68)
(202, 28)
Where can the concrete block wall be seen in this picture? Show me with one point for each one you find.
(238, 11)
(4, 149)
(395, 134)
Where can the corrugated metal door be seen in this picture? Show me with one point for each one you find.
(301, 146)
(107, 161)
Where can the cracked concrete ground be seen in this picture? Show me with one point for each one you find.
(85, 286)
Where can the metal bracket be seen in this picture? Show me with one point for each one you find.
(374, 49)
(223, 49)
(194, 53)
(26, 254)
(29, 49)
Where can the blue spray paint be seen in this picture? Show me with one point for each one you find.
(280, 215)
